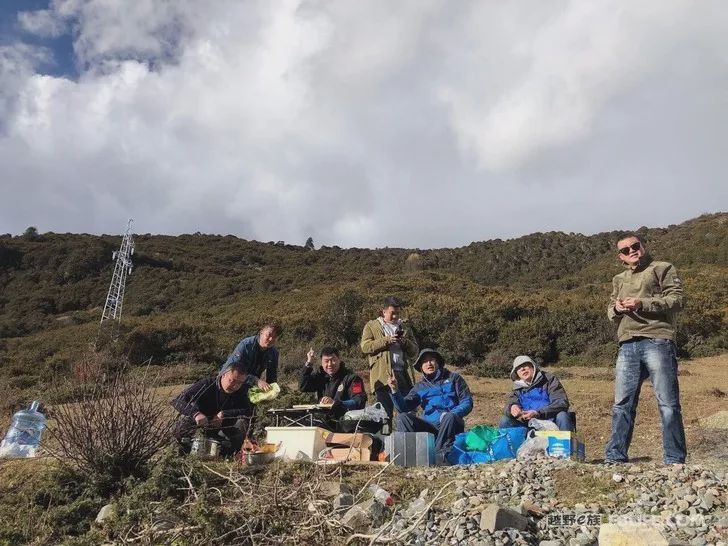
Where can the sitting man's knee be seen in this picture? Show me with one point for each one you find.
(563, 421)
(404, 422)
(506, 422)
(449, 418)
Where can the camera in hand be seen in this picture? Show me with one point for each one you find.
(399, 332)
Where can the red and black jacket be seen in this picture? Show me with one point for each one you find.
(345, 388)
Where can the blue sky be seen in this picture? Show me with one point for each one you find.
(61, 47)
(417, 123)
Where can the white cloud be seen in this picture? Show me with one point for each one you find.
(367, 124)
(44, 22)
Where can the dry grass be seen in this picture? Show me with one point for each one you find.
(582, 485)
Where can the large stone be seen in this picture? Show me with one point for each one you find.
(107, 511)
(332, 489)
(630, 534)
(708, 501)
(495, 517)
(527, 507)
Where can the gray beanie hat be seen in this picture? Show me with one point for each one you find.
(520, 361)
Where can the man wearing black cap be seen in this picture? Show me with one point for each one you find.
(389, 344)
(444, 396)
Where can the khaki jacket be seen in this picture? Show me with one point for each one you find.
(374, 345)
(657, 285)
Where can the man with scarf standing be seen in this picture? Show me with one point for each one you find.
(443, 395)
(645, 300)
(389, 345)
(536, 395)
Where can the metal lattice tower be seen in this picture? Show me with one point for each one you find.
(111, 317)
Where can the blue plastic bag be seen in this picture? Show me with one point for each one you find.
(504, 446)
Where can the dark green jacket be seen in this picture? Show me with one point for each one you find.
(659, 288)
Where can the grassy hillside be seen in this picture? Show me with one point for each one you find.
(191, 297)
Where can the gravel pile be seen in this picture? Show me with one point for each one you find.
(688, 504)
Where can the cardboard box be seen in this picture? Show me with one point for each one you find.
(348, 447)
(564, 445)
(351, 453)
(297, 442)
(346, 439)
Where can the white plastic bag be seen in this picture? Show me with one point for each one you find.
(375, 413)
(542, 424)
(532, 446)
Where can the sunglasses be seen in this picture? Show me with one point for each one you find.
(627, 249)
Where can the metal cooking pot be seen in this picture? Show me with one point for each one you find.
(253, 459)
(205, 447)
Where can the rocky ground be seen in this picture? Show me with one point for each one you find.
(551, 502)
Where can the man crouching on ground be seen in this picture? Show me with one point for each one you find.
(536, 395)
(219, 406)
(445, 399)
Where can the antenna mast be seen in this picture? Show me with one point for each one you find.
(111, 317)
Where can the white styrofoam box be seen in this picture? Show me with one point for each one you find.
(297, 442)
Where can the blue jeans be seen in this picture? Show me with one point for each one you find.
(562, 420)
(639, 359)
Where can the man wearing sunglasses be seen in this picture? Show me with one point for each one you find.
(645, 299)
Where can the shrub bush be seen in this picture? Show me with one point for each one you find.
(113, 429)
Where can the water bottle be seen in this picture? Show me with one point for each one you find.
(23, 436)
(381, 495)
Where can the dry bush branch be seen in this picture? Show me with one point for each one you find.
(276, 505)
(113, 428)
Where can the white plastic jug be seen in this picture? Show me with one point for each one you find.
(23, 437)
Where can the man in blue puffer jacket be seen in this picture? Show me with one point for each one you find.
(536, 395)
(444, 396)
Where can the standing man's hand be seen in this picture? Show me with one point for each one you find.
(516, 410)
(392, 382)
(392, 340)
(200, 419)
(309, 356)
(262, 385)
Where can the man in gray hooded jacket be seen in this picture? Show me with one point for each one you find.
(536, 395)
